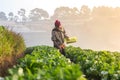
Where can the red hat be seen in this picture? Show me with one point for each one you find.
(57, 23)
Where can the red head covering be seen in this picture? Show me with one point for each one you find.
(57, 23)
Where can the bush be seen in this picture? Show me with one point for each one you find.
(11, 47)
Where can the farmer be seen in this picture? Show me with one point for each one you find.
(58, 36)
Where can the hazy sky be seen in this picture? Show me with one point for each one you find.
(50, 5)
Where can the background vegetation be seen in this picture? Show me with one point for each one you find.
(65, 13)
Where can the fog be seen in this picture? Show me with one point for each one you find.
(90, 34)
(96, 35)
(98, 29)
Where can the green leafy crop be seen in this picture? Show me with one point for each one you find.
(96, 65)
(45, 63)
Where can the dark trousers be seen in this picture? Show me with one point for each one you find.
(62, 50)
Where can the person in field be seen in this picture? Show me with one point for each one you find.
(58, 36)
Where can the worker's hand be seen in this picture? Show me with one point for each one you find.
(62, 46)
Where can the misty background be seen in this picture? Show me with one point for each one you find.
(97, 28)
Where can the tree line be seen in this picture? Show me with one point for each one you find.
(65, 13)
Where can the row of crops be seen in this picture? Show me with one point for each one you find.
(45, 63)
(96, 65)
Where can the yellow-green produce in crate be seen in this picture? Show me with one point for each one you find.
(71, 40)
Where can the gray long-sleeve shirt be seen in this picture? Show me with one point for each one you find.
(58, 37)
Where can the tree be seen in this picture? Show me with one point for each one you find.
(65, 13)
(44, 14)
(22, 14)
(74, 13)
(38, 14)
(3, 16)
(61, 13)
(16, 18)
(10, 16)
(85, 11)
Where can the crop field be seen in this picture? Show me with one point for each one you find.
(46, 63)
